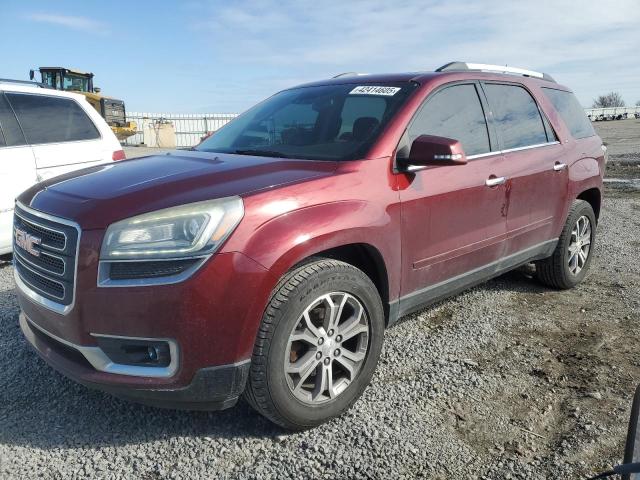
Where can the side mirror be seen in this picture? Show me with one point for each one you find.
(32, 74)
(428, 150)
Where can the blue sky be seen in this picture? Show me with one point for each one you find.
(223, 56)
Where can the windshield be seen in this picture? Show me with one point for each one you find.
(329, 122)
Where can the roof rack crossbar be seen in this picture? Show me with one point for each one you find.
(483, 67)
(24, 82)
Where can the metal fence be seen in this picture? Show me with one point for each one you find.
(190, 128)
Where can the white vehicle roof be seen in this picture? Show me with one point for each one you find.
(8, 86)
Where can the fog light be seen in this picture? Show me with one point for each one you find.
(137, 352)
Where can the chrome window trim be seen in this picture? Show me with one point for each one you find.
(45, 227)
(509, 150)
(105, 281)
(101, 362)
(36, 297)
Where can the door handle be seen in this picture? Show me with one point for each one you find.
(559, 166)
(495, 181)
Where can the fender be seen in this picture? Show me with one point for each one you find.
(584, 174)
(289, 238)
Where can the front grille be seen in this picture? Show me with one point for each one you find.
(149, 269)
(55, 239)
(45, 256)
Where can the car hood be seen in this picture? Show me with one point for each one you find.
(98, 196)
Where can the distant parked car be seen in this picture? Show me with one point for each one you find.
(44, 133)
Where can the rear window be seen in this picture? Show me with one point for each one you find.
(47, 119)
(516, 115)
(571, 112)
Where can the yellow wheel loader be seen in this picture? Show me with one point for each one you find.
(112, 110)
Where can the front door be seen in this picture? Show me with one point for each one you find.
(453, 217)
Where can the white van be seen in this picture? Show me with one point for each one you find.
(44, 133)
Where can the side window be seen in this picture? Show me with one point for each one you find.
(9, 126)
(47, 119)
(454, 112)
(551, 135)
(516, 116)
(571, 113)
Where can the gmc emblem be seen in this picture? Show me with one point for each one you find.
(27, 242)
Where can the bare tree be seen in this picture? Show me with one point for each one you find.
(638, 103)
(613, 99)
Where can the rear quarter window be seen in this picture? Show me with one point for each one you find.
(569, 109)
(46, 119)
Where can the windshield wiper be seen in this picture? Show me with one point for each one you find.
(262, 153)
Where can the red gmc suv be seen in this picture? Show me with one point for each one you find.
(269, 259)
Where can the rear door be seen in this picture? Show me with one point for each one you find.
(17, 170)
(62, 135)
(535, 167)
(453, 217)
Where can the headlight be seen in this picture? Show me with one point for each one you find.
(184, 231)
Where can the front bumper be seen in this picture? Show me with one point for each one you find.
(211, 388)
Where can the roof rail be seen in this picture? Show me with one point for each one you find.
(483, 67)
(350, 74)
(24, 82)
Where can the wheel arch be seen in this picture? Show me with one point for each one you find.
(363, 256)
(594, 197)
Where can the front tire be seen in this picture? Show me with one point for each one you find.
(317, 346)
(572, 257)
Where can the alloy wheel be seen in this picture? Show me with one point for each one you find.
(327, 348)
(580, 245)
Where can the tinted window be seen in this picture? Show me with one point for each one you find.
(571, 112)
(326, 122)
(47, 119)
(9, 125)
(360, 107)
(516, 115)
(454, 112)
(551, 135)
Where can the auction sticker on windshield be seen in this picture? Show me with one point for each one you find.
(374, 90)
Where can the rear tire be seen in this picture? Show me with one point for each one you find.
(303, 372)
(572, 257)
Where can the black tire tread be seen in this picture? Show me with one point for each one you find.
(550, 271)
(256, 391)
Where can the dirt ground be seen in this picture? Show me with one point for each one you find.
(570, 374)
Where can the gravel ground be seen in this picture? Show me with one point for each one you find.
(508, 380)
